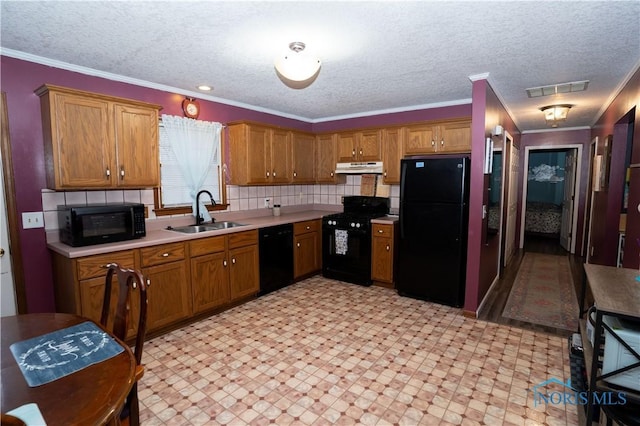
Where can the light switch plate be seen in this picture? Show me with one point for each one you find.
(32, 220)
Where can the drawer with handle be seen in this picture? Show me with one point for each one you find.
(157, 255)
(96, 266)
(382, 230)
(306, 226)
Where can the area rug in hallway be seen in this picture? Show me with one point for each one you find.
(543, 292)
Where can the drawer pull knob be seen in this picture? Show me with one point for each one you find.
(165, 255)
(380, 231)
(298, 244)
(308, 227)
(388, 248)
(224, 263)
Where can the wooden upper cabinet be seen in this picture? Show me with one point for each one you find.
(136, 138)
(369, 146)
(78, 144)
(438, 137)
(326, 157)
(420, 139)
(280, 156)
(346, 144)
(260, 155)
(392, 154)
(302, 155)
(90, 140)
(359, 146)
(455, 136)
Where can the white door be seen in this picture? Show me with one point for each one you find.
(512, 201)
(8, 293)
(567, 199)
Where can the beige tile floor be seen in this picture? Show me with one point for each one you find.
(322, 352)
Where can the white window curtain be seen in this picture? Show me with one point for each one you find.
(195, 145)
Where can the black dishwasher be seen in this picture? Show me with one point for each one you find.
(276, 257)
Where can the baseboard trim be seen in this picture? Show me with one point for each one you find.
(469, 314)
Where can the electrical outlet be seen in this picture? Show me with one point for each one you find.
(267, 203)
(32, 220)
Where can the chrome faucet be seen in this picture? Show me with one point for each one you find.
(199, 219)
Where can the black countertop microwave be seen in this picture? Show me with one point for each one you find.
(83, 225)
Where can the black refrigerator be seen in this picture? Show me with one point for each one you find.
(434, 217)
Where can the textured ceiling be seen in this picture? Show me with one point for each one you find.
(377, 56)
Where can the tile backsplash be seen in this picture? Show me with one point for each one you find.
(239, 198)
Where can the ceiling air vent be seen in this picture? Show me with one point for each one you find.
(554, 89)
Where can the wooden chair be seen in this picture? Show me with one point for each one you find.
(9, 420)
(129, 280)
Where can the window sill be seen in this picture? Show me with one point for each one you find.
(168, 211)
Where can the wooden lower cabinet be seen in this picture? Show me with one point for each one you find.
(185, 278)
(383, 254)
(307, 248)
(244, 271)
(224, 269)
(209, 277)
(79, 285)
(169, 292)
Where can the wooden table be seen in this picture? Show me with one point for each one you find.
(91, 396)
(616, 293)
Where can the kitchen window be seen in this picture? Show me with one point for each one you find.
(175, 195)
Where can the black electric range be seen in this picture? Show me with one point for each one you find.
(346, 239)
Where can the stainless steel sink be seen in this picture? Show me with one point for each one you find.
(194, 229)
(224, 225)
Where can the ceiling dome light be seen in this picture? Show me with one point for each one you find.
(297, 70)
(554, 114)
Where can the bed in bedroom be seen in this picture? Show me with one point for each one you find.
(543, 218)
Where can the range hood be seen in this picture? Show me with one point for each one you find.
(359, 168)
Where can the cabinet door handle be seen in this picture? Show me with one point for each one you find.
(353, 153)
(233, 260)
(267, 174)
(224, 263)
(360, 152)
(295, 174)
(108, 172)
(121, 172)
(298, 244)
(442, 142)
(385, 173)
(148, 282)
(388, 248)
(308, 227)
(274, 173)
(433, 143)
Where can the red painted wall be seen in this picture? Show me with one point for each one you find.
(626, 102)
(483, 252)
(441, 113)
(19, 79)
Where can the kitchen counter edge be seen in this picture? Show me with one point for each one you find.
(164, 236)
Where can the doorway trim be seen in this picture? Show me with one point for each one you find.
(525, 171)
(12, 210)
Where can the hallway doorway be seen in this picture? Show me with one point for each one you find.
(550, 197)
